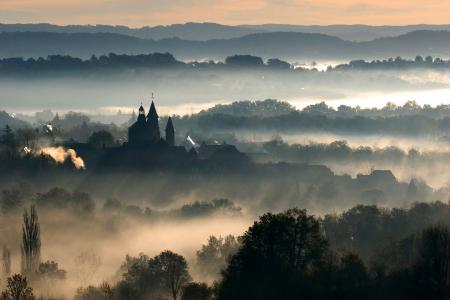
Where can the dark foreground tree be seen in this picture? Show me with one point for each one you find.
(31, 241)
(8, 141)
(173, 271)
(103, 292)
(352, 278)
(196, 291)
(153, 278)
(432, 270)
(100, 139)
(283, 256)
(17, 289)
(417, 267)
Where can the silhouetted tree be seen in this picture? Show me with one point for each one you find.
(276, 63)
(280, 254)
(173, 271)
(244, 61)
(213, 256)
(49, 276)
(145, 277)
(415, 267)
(101, 139)
(26, 136)
(352, 278)
(8, 139)
(50, 271)
(433, 267)
(31, 241)
(17, 289)
(103, 292)
(196, 291)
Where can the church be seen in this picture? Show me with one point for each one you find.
(147, 150)
(145, 131)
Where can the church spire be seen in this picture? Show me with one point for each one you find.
(152, 124)
(152, 114)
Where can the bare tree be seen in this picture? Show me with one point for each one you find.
(31, 241)
(6, 261)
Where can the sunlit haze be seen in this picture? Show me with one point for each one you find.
(138, 13)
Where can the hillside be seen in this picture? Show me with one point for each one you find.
(188, 31)
(357, 32)
(208, 31)
(284, 45)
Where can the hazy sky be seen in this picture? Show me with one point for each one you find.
(159, 12)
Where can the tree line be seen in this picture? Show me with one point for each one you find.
(397, 63)
(112, 61)
(366, 251)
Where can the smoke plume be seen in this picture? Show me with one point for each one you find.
(60, 154)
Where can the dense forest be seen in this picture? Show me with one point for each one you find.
(409, 119)
(114, 62)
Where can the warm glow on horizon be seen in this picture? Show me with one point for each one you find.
(137, 13)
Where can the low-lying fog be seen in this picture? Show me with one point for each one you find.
(405, 143)
(109, 238)
(429, 163)
(186, 92)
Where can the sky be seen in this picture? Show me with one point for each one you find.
(137, 13)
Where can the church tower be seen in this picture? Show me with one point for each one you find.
(137, 131)
(141, 116)
(152, 124)
(170, 133)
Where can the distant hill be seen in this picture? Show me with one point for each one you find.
(35, 44)
(412, 43)
(357, 33)
(284, 45)
(187, 31)
(6, 119)
(208, 31)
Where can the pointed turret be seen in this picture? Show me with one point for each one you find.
(152, 114)
(141, 116)
(152, 123)
(137, 132)
(170, 133)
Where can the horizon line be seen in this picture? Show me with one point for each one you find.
(224, 24)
